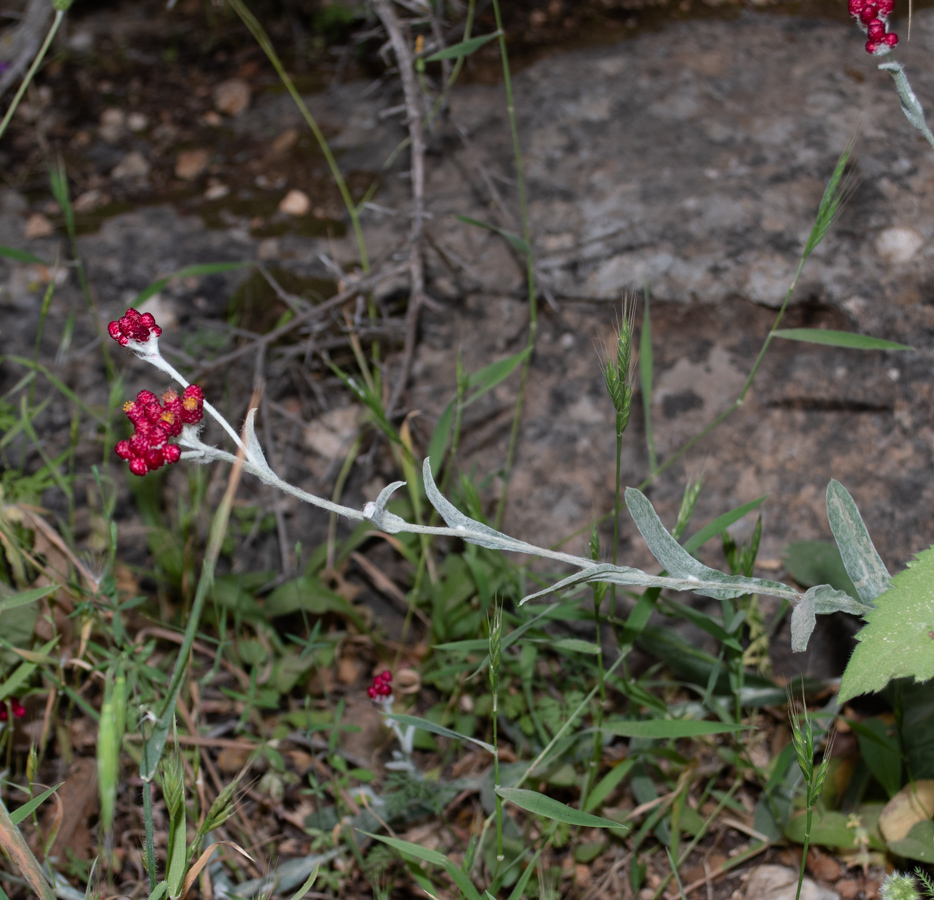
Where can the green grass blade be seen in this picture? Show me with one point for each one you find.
(464, 48)
(434, 858)
(425, 725)
(517, 243)
(21, 256)
(646, 369)
(189, 271)
(27, 809)
(549, 808)
(846, 339)
(666, 729)
(720, 524)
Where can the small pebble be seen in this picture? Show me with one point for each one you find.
(295, 203)
(191, 163)
(232, 97)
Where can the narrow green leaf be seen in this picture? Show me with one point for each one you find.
(27, 809)
(440, 437)
(575, 645)
(720, 524)
(189, 271)
(464, 48)
(21, 255)
(26, 597)
(517, 242)
(425, 725)
(646, 367)
(540, 805)
(838, 339)
(306, 887)
(434, 858)
(490, 376)
(669, 728)
(609, 783)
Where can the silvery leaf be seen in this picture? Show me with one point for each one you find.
(803, 620)
(860, 559)
(829, 600)
(682, 565)
(459, 522)
(254, 451)
(629, 577)
(376, 511)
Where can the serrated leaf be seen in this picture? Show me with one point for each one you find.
(830, 338)
(863, 564)
(540, 805)
(898, 638)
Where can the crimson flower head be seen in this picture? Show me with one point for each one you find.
(872, 16)
(134, 326)
(154, 423)
(17, 708)
(381, 686)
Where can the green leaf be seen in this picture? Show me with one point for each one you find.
(26, 597)
(575, 645)
(309, 594)
(540, 805)
(189, 271)
(838, 339)
(434, 858)
(518, 244)
(21, 255)
(918, 844)
(863, 564)
(669, 728)
(646, 368)
(27, 809)
(830, 828)
(898, 638)
(817, 562)
(881, 752)
(425, 725)
(464, 48)
(720, 524)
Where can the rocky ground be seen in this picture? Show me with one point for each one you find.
(687, 161)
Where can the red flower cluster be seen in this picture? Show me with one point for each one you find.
(155, 423)
(872, 16)
(133, 326)
(381, 686)
(18, 710)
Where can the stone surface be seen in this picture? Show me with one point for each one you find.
(780, 883)
(192, 163)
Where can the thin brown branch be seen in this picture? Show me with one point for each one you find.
(412, 94)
